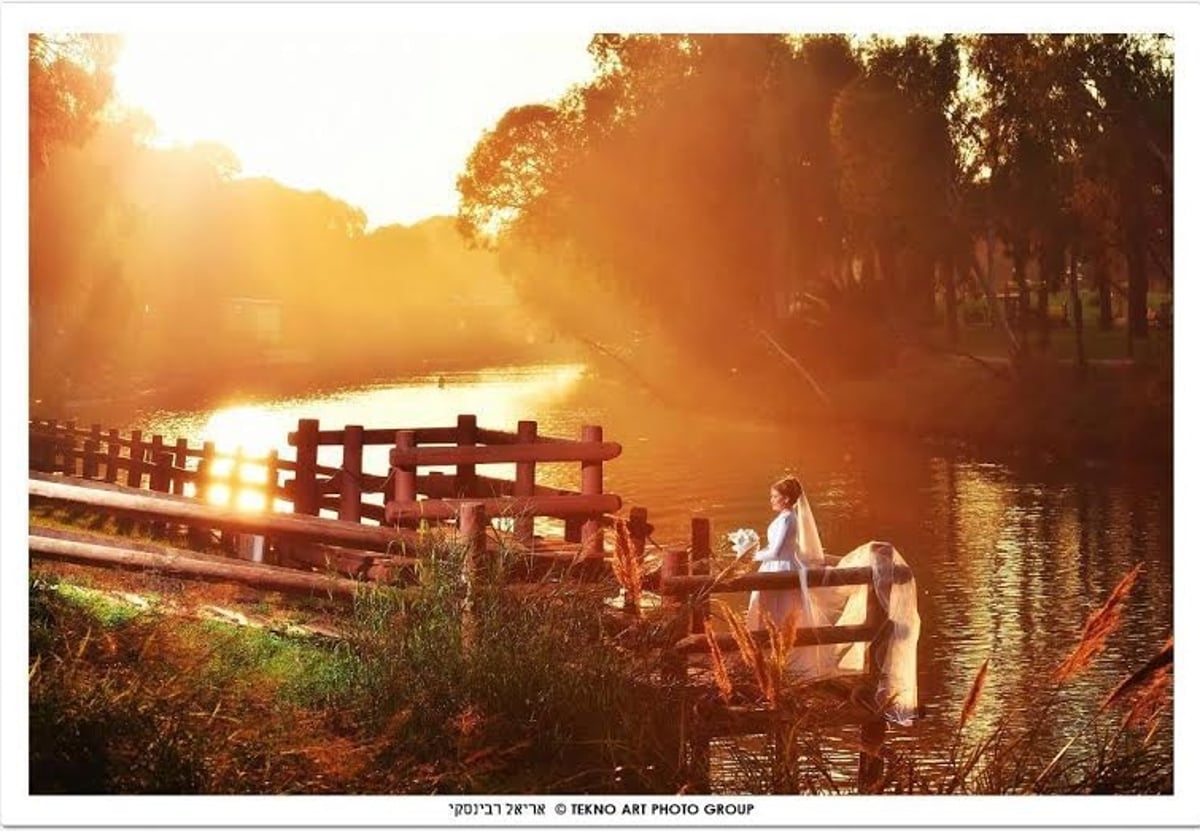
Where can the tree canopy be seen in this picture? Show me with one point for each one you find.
(816, 187)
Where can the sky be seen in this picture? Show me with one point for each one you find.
(384, 122)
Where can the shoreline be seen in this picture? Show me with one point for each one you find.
(945, 403)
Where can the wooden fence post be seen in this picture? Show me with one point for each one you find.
(271, 480)
(91, 459)
(592, 483)
(113, 461)
(675, 564)
(700, 564)
(160, 482)
(526, 478)
(156, 447)
(133, 478)
(91, 455)
(69, 453)
(350, 508)
(472, 534)
(235, 476)
(874, 729)
(203, 536)
(97, 436)
(464, 475)
(305, 500)
(404, 486)
(181, 462)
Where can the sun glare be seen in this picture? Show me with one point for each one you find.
(382, 121)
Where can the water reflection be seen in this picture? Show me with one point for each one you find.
(1009, 560)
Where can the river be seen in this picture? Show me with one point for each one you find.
(1009, 557)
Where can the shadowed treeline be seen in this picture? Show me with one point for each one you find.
(150, 266)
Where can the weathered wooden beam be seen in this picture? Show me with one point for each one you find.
(805, 636)
(134, 502)
(427, 435)
(817, 578)
(484, 455)
(552, 506)
(179, 563)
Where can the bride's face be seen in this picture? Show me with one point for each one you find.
(778, 503)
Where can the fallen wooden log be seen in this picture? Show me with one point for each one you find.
(138, 503)
(179, 563)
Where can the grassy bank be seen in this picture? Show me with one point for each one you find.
(144, 684)
(969, 393)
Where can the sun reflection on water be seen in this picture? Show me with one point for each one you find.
(498, 398)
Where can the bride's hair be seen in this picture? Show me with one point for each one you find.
(789, 488)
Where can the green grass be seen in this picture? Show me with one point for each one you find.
(525, 694)
(107, 610)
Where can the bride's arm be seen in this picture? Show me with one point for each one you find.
(774, 549)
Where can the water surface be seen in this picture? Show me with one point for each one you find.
(1009, 557)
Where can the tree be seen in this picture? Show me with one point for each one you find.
(70, 82)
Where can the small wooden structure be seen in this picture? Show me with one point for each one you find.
(414, 493)
(686, 583)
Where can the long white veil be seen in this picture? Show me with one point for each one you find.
(847, 605)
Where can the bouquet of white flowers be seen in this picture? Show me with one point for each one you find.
(744, 540)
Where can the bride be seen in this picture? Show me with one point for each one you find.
(794, 545)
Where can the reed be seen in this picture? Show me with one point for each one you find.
(627, 567)
(720, 671)
(1099, 625)
(972, 699)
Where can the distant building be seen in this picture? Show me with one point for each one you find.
(252, 322)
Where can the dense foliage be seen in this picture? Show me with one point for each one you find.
(734, 184)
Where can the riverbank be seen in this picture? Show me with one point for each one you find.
(1120, 409)
(139, 684)
(1115, 411)
(276, 376)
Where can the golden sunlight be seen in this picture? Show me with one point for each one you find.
(382, 121)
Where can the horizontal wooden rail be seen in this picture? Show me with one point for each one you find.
(424, 435)
(805, 636)
(132, 501)
(501, 437)
(180, 563)
(552, 506)
(817, 578)
(557, 452)
(434, 485)
(172, 447)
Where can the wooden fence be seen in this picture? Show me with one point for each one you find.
(686, 583)
(414, 494)
(154, 462)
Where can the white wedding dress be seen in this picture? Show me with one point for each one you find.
(793, 544)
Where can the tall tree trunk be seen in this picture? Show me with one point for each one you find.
(985, 277)
(1077, 314)
(950, 272)
(1050, 268)
(1139, 284)
(1104, 289)
(1020, 258)
(928, 288)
